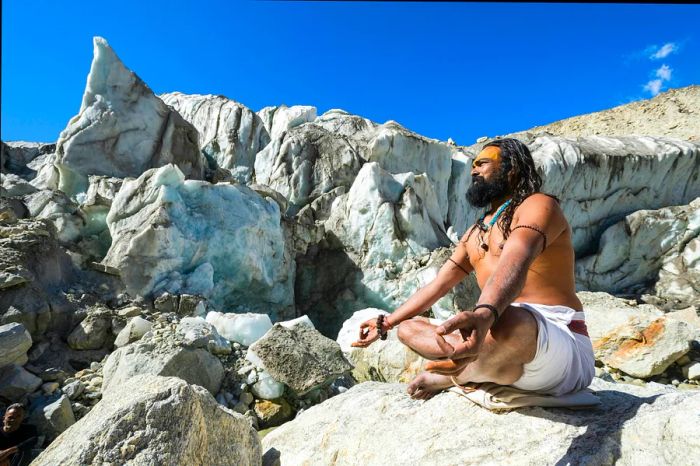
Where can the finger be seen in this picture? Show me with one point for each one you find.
(450, 325)
(446, 348)
(467, 348)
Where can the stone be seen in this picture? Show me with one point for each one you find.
(17, 156)
(632, 425)
(230, 134)
(49, 387)
(122, 129)
(157, 420)
(131, 311)
(198, 333)
(692, 371)
(16, 382)
(132, 331)
(196, 366)
(15, 341)
(222, 242)
(272, 413)
(300, 357)
(74, 389)
(52, 418)
(92, 333)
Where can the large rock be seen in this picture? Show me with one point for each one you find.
(375, 423)
(132, 331)
(222, 242)
(157, 421)
(638, 340)
(18, 155)
(53, 418)
(300, 357)
(15, 341)
(122, 129)
(93, 332)
(230, 134)
(16, 382)
(633, 251)
(196, 366)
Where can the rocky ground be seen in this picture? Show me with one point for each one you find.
(168, 288)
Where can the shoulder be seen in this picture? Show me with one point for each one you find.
(540, 203)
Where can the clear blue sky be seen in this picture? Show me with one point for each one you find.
(460, 70)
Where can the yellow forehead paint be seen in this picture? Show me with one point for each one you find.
(491, 152)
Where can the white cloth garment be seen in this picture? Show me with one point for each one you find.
(564, 362)
(503, 397)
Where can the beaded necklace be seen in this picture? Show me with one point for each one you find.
(484, 228)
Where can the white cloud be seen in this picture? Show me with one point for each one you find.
(653, 86)
(664, 51)
(664, 73)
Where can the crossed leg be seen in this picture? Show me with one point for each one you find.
(510, 344)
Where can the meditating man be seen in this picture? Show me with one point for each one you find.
(527, 328)
(16, 439)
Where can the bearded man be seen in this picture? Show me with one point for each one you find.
(527, 329)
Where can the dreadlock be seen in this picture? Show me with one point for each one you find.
(517, 157)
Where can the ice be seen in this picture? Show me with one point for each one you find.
(245, 329)
(303, 320)
(267, 388)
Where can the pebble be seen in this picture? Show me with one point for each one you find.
(688, 386)
(246, 398)
(240, 407)
(74, 389)
(49, 387)
(95, 366)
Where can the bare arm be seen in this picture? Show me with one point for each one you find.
(448, 276)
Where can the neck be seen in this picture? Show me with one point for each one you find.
(498, 203)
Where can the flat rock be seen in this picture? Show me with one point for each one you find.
(157, 421)
(16, 382)
(300, 357)
(375, 423)
(15, 341)
(196, 366)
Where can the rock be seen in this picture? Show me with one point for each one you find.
(92, 333)
(272, 413)
(245, 329)
(52, 418)
(196, 366)
(633, 251)
(300, 357)
(692, 371)
(60, 210)
(266, 387)
(221, 242)
(74, 389)
(131, 311)
(134, 330)
(49, 387)
(198, 333)
(156, 420)
(230, 134)
(15, 341)
(17, 156)
(16, 382)
(376, 423)
(383, 361)
(122, 129)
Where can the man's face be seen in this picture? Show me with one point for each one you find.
(12, 419)
(489, 183)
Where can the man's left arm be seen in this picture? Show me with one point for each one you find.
(538, 212)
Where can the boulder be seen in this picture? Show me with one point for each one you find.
(272, 413)
(15, 341)
(52, 418)
(230, 134)
(122, 129)
(300, 357)
(93, 332)
(632, 252)
(157, 421)
(196, 366)
(132, 331)
(636, 339)
(221, 242)
(16, 382)
(198, 333)
(377, 423)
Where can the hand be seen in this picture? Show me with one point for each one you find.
(473, 327)
(368, 334)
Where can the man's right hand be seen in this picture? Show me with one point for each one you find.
(368, 334)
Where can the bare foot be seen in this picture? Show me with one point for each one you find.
(426, 385)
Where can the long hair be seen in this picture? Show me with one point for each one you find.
(516, 156)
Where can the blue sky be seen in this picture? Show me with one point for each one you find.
(460, 70)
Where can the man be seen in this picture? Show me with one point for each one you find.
(527, 329)
(16, 439)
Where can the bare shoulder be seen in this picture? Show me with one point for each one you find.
(542, 210)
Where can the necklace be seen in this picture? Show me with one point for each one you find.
(484, 228)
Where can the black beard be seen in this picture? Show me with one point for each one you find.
(481, 192)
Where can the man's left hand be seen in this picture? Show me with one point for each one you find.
(473, 327)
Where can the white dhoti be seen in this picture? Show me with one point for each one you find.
(564, 361)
